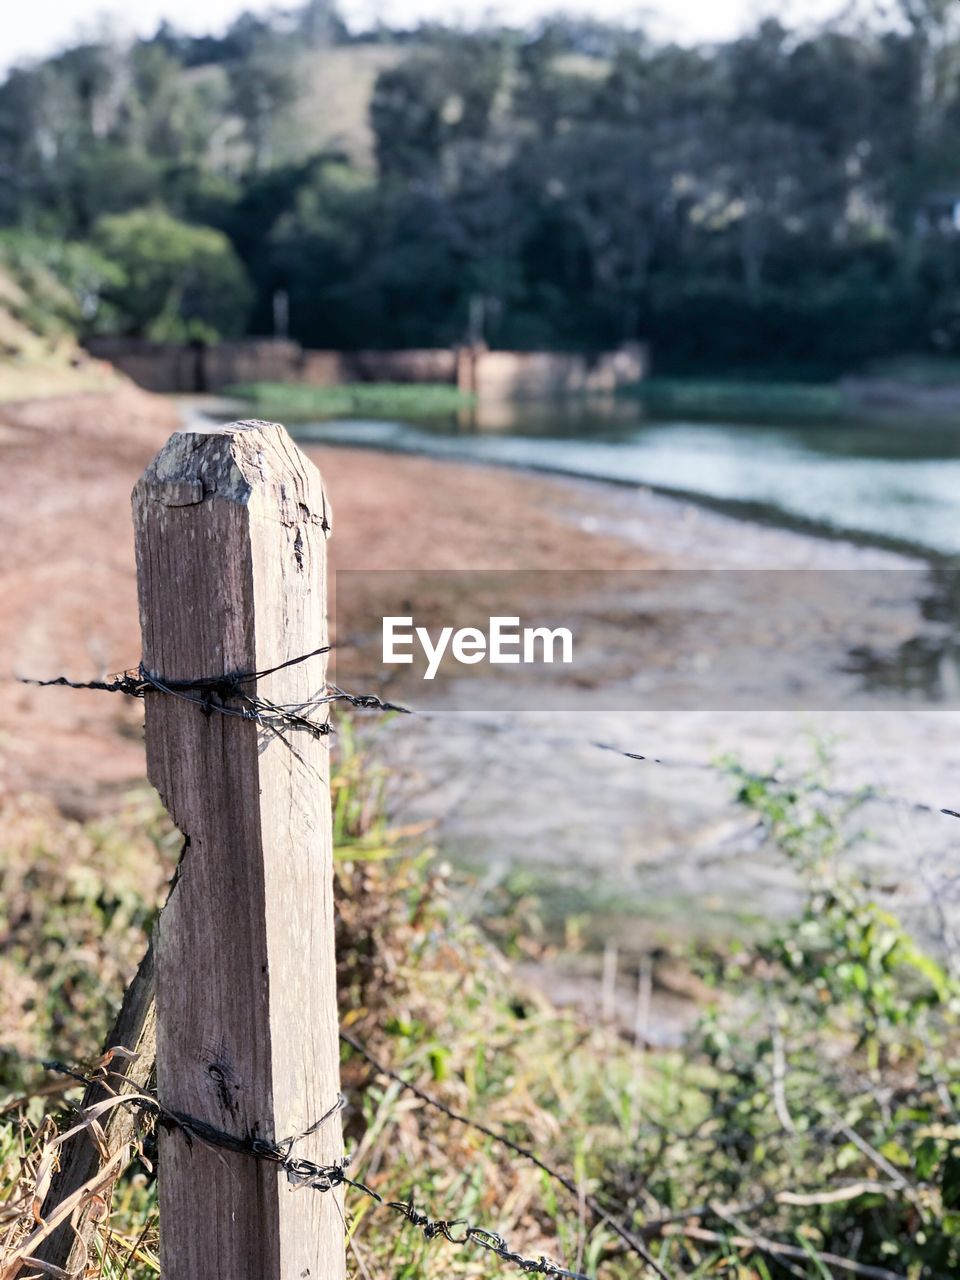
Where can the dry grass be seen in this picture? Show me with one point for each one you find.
(696, 1141)
(42, 359)
(36, 379)
(425, 989)
(77, 900)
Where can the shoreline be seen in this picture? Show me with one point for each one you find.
(746, 511)
(793, 538)
(662, 846)
(70, 590)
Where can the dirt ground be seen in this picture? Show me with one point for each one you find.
(644, 852)
(68, 584)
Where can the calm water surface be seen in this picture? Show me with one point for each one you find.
(655, 855)
(891, 481)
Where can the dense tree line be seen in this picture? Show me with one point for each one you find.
(781, 199)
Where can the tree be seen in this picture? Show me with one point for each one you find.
(934, 27)
(618, 184)
(436, 98)
(319, 23)
(263, 87)
(576, 182)
(178, 280)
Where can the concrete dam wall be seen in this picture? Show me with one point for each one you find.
(489, 375)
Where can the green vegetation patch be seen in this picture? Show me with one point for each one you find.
(175, 280)
(48, 285)
(807, 1127)
(716, 398)
(377, 399)
(918, 370)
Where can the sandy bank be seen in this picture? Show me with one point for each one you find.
(67, 579)
(67, 465)
(642, 849)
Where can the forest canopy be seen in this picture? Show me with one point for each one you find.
(785, 200)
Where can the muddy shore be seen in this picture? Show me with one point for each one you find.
(644, 851)
(67, 465)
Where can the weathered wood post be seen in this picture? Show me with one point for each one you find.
(231, 525)
(82, 1159)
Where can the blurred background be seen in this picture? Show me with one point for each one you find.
(661, 291)
(784, 201)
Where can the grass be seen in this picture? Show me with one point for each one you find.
(716, 398)
(35, 379)
(376, 399)
(333, 110)
(918, 370)
(39, 355)
(774, 399)
(836, 1025)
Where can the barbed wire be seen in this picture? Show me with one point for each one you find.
(459, 1231)
(213, 695)
(630, 1238)
(219, 695)
(301, 1172)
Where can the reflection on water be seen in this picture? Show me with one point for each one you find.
(892, 482)
(658, 852)
(927, 663)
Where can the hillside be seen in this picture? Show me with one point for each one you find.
(780, 204)
(330, 111)
(39, 317)
(334, 110)
(32, 364)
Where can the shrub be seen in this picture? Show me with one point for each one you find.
(178, 281)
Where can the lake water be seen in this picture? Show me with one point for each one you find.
(894, 483)
(655, 854)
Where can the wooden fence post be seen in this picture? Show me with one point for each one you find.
(231, 525)
(82, 1159)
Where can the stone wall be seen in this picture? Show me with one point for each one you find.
(439, 365)
(190, 368)
(157, 366)
(229, 363)
(490, 375)
(519, 375)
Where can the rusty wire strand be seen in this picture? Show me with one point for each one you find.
(629, 1237)
(211, 694)
(301, 1172)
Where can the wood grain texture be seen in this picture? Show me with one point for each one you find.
(231, 526)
